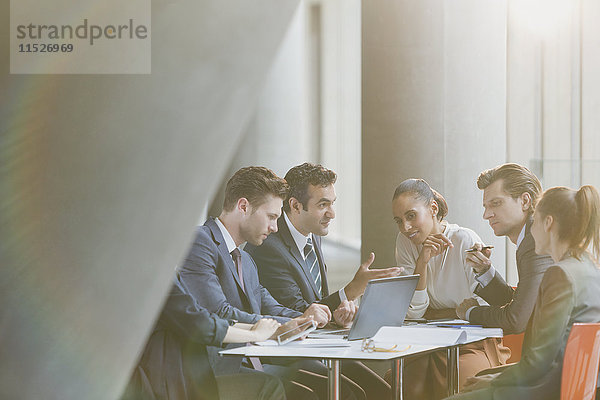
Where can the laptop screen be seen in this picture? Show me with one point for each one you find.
(384, 303)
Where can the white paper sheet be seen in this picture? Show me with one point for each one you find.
(309, 343)
(420, 335)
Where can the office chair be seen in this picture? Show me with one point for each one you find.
(580, 363)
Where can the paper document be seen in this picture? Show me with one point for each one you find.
(473, 333)
(449, 322)
(430, 336)
(308, 343)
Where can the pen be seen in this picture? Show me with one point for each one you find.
(444, 257)
(474, 250)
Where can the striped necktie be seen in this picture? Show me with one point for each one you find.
(310, 257)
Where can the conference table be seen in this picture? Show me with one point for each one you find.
(333, 351)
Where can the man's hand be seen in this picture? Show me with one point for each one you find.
(478, 382)
(319, 312)
(291, 324)
(344, 314)
(479, 260)
(264, 329)
(363, 275)
(461, 310)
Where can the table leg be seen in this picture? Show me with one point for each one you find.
(397, 377)
(333, 376)
(452, 364)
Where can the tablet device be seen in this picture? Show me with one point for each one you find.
(297, 332)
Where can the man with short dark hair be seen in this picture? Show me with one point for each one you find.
(291, 264)
(282, 266)
(223, 278)
(510, 193)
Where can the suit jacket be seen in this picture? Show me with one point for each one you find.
(569, 293)
(510, 309)
(175, 364)
(283, 271)
(210, 276)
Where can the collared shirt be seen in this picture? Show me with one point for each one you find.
(447, 285)
(521, 236)
(229, 242)
(299, 238)
(301, 241)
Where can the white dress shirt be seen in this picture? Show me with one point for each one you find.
(447, 285)
(226, 235)
(301, 241)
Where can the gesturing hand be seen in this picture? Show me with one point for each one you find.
(363, 275)
(479, 260)
(434, 245)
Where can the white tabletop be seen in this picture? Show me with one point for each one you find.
(305, 349)
(353, 352)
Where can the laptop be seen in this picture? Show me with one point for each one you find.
(384, 303)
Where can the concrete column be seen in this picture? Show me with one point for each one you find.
(309, 108)
(277, 133)
(590, 101)
(433, 106)
(102, 180)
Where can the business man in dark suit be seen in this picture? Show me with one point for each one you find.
(221, 288)
(291, 264)
(510, 192)
(223, 278)
(284, 256)
(174, 364)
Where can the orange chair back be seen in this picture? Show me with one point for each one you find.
(580, 364)
(515, 344)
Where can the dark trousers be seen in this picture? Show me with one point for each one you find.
(251, 385)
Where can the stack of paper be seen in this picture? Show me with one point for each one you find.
(308, 343)
(474, 332)
(414, 335)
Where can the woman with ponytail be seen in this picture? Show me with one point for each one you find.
(566, 226)
(432, 247)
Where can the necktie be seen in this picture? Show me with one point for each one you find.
(310, 257)
(237, 260)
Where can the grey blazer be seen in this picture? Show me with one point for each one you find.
(209, 275)
(569, 293)
(510, 309)
(284, 273)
